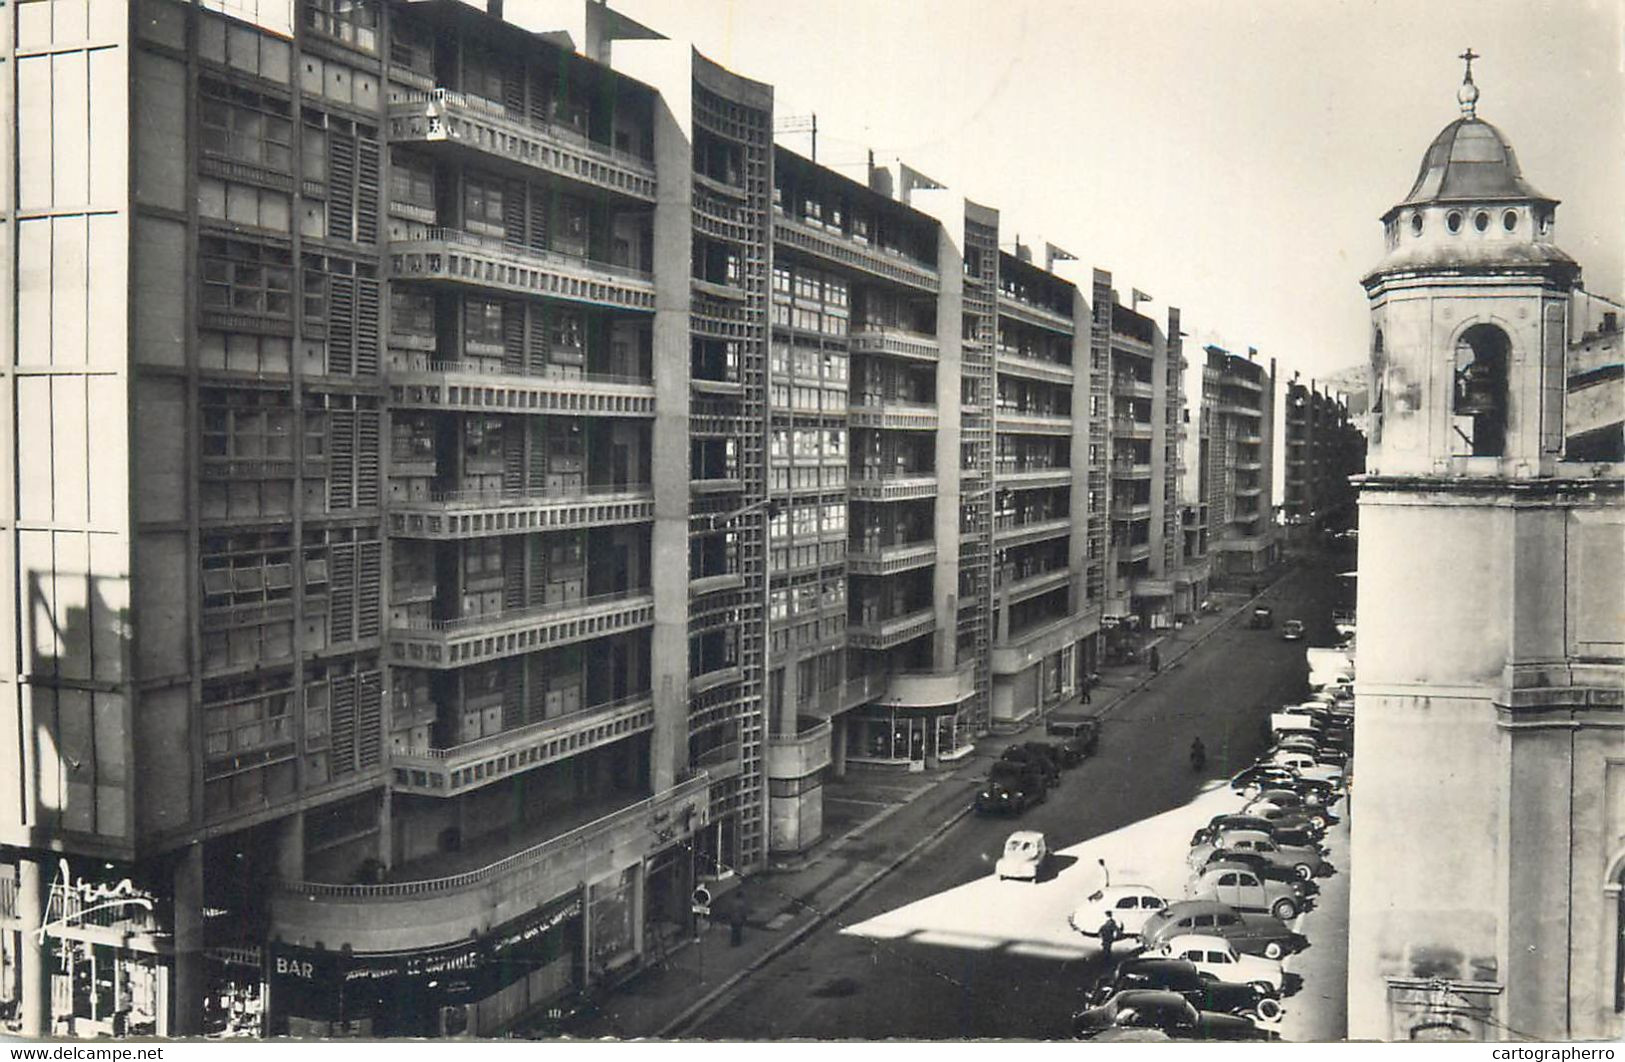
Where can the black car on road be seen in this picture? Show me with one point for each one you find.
(1038, 754)
(1201, 991)
(1077, 737)
(1011, 788)
(1166, 1012)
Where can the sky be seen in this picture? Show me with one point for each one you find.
(1230, 158)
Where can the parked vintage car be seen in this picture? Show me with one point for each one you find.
(1130, 906)
(1303, 860)
(1253, 934)
(1202, 992)
(1292, 631)
(1305, 889)
(1011, 788)
(1166, 1012)
(1025, 853)
(1293, 835)
(1246, 890)
(1169, 1012)
(1218, 958)
(1040, 755)
(1263, 618)
(1078, 736)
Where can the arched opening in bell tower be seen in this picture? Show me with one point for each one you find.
(1479, 402)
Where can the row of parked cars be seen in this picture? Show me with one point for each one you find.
(1208, 966)
(1025, 773)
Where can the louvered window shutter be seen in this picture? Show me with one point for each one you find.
(369, 718)
(513, 572)
(536, 482)
(513, 337)
(344, 724)
(367, 458)
(367, 184)
(341, 593)
(537, 201)
(369, 590)
(536, 343)
(367, 312)
(513, 459)
(341, 459)
(341, 324)
(341, 171)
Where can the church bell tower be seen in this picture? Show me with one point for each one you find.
(1487, 803)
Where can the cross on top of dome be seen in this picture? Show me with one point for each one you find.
(1467, 95)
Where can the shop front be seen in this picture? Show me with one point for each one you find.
(915, 738)
(107, 949)
(472, 987)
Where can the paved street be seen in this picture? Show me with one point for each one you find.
(940, 949)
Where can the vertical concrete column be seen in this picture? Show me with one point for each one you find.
(673, 247)
(35, 997)
(190, 974)
(837, 747)
(386, 828)
(950, 313)
(1077, 552)
(290, 851)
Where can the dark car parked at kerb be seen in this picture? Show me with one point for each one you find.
(1179, 975)
(1011, 788)
(1076, 736)
(1038, 754)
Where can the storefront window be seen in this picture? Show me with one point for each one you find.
(613, 905)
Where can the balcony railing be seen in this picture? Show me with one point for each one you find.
(799, 755)
(1033, 585)
(447, 116)
(1021, 478)
(471, 639)
(451, 771)
(425, 912)
(476, 513)
(1131, 469)
(844, 251)
(1132, 385)
(888, 633)
(889, 560)
(1130, 428)
(878, 339)
(1013, 363)
(899, 487)
(1025, 647)
(451, 255)
(899, 416)
(1034, 314)
(1008, 534)
(723, 761)
(471, 386)
(1033, 423)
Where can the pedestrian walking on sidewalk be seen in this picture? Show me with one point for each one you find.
(1156, 660)
(1086, 691)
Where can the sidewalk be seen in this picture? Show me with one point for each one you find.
(876, 821)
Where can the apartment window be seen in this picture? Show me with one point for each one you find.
(781, 280)
(246, 424)
(247, 126)
(243, 204)
(243, 716)
(246, 569)
(243, 352)
(482, 203)
(411, 311)
(410, 183)
(350, 22)
(482, 438)
(482, 321)
(239, 276)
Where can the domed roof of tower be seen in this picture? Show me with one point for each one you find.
(1470, 159)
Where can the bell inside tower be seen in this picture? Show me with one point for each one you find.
(1479, 402)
